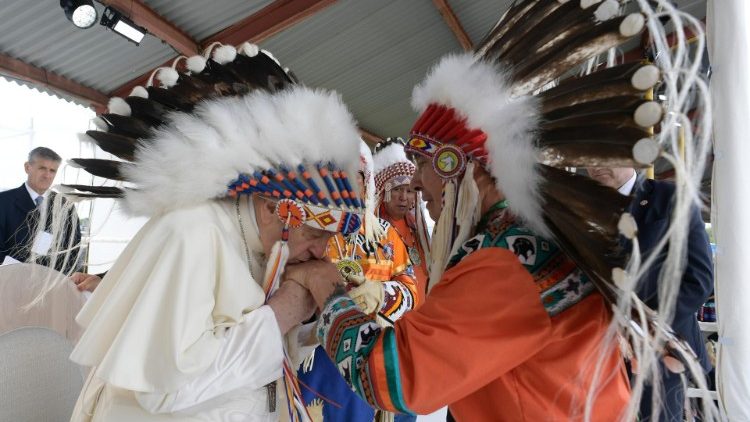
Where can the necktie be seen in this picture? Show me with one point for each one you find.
(38, 200)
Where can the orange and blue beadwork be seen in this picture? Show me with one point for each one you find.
(335, 207)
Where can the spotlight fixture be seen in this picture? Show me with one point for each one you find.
(116, 21)
(81, 12)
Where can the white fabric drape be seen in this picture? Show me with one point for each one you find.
(729, 51)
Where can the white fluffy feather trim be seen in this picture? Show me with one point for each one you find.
(117, 105)
(388, 156)
(607, 10)
(193, 158)
(248, 49)
(480, 92)
(139, 91)
(167, 76)
(224, 54)
(195, 64)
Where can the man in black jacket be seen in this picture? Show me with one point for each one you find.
(651, 208)
(20, 210)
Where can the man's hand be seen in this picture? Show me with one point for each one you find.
(85, 281)
(319, 277)
(292, 305)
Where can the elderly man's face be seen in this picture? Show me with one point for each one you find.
(305, 243)
(427, 180)
(612, 177)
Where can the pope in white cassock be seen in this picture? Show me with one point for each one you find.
(194, 322)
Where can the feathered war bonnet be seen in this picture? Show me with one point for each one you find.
(233, 122)
(392, 168)
(475, 109)
(493, 109)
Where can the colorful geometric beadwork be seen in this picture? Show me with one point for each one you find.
(440, 125)
(335, 207)
(449, 161)
(422, 145)
(394, 175)
(290, 213)
(561, 284)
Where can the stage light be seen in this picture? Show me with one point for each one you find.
(81, 12)
(114, 20)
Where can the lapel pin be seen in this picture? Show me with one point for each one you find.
(644, 202)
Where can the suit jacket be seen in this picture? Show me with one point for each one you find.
(652, 208)
(18, 217)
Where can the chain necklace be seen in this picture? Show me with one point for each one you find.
(414, 255)
(242, 233)
(271, 386)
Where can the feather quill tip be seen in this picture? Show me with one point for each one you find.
(167, 76)
(224, 54)
(196, 64)
(73, 164)
(117, 105)
(585, 4)
(627, 226)
(632, 25)
(607, 10)
(619, 277)
(139, 91)
(84, 138)
(271, 56)
(62, 189)
(100, 125)
(645, 77)
(648, 114)
(646, 151)
(249, 49)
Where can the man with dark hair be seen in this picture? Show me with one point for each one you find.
(22, 207)
(652, 207)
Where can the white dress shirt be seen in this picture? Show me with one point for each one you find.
(34, 194)
(627, 188)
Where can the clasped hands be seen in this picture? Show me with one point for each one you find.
(322, 277)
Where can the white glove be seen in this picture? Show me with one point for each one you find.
(368, 294)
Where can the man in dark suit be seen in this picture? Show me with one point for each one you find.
(20, 210)
(652, 208)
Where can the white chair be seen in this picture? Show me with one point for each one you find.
(21, 283)
(38, 383)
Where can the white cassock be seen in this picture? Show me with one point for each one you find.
(178, 329)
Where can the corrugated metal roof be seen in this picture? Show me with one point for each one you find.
(38, 33)
(479, 16)
(373, 53)
(201, 19)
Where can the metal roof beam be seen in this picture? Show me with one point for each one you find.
(268, 21)
(17, 69)
(156, 25)
(454, 24)
(369, 137)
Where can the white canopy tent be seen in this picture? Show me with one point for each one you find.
(729, 50)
